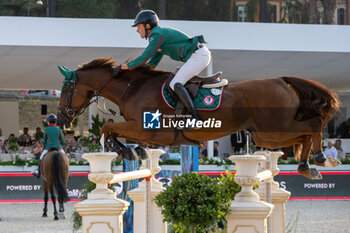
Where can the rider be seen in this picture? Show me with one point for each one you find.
(53, 139)
(178, 46)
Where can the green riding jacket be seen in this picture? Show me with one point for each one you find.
(174, 43)
(53, 137)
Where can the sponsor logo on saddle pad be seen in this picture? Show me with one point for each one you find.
(151, 120)
(208, 100)
(155, 120)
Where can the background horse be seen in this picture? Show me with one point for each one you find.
(277, 112)
(55, 174)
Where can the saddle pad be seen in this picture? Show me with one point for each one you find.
(207, 99)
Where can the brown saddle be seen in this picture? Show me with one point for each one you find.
(195, 83)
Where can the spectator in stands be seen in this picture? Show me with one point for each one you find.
(340, 148)
(216, 152)
(203, 149)
(2, 138)
(25, 140)
(37, 149)
(330, 151)
(238, 141)
(39, 134)
(93, 141)
(2, 147)
(343, 131)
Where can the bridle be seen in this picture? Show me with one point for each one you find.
(69, 112)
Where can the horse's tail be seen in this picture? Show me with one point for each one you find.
(315, 99)
(57, 178)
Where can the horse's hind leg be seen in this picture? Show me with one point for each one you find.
(53, 198)
(301, 142)
(320, 159)
(304, 166)
(46, 198)
(61, 211)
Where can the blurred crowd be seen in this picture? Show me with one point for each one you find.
(32, 143)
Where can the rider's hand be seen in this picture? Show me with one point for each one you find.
(129, 59)
(124, 66)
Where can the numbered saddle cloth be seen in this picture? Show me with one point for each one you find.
(207, 99)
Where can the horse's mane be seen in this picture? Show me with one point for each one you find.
(108, 63)
(103, 62)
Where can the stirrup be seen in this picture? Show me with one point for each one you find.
(36, 173)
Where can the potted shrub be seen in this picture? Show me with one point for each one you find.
(195, 202)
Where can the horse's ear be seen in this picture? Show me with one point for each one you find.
(65, 71)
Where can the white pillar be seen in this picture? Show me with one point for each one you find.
(101, 211)
(248, 214)
(138, 196)
(279, 196)
(210, 149)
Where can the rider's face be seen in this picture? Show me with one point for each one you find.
(141, 29)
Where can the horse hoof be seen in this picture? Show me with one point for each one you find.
(320, 158)
(142, 153)
(129, 154)
(44, 215)
(304, 166)
(315, 174)
(331, 162)
(310, 173)
(112, 144)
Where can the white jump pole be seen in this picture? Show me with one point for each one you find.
(101, 211)
(143, 198)
(278, 197)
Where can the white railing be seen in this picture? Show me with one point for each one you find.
(250, 209)
(103, 212)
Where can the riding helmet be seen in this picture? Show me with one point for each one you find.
(146, 16)
(52, 118)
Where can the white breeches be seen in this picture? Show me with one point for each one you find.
(45, 151)
(194, 65)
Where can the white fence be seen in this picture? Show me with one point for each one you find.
(249, 211)
(103, 212)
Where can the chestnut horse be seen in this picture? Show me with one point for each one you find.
(277, 112)
(55, 173)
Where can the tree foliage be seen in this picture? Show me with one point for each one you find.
(96, 126)
(293, 11)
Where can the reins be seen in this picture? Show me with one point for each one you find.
(73, 112)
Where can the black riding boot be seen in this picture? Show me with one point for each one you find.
(186, 99)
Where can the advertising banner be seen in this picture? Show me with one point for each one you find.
(23, 187)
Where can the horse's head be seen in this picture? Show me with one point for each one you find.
(79, 92)
(74, 98)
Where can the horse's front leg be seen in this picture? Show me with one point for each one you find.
(133, 130)
(111, 134)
